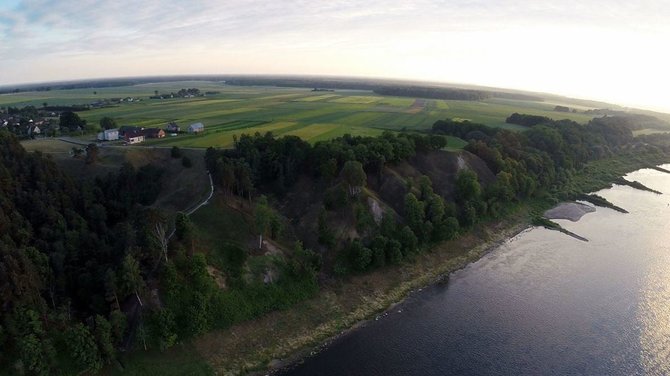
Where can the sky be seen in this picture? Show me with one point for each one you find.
(610, 50)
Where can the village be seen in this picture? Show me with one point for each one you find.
(135, 135)
(30, 122)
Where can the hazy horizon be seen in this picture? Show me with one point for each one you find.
(610, 51)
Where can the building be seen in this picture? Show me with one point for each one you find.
(153, 133)
(196, 128)
(128, 128)
(172, 127)
(134, 137)
(108, 135)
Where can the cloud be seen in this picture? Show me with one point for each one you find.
(501, 42)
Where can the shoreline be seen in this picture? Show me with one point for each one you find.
(291, 347)
(280, 340)
(438, 276)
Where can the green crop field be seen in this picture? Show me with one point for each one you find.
(314, 116)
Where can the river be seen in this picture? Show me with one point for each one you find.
(543, 303)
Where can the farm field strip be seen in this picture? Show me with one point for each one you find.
(311, 115)
(316, 98)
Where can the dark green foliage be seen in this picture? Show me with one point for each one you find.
(326, 236)
(527, 120)
(263, 216)
(361, 256)
(408, 241)
(353, 176)
(304, 262)
(328, 169)
(184, 230)
(163, 329)
(414, 213)
(130, 278)
(466, 187)
(379, 246)
(71, 121)
(62, 248)
(234, 259)
(107, 123)
(104, 339)
(118, 322)
(364, 219)
(175, 152)
(393, 252)
(335, 197)
(34, 347)
(83, 349)
(199, 305)
(277, 163)
(387, 227)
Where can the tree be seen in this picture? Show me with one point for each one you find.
(354, 176)
(32, 356)
(379, 246)
(326, 236)
(107, 123)
(263, 216)
(361, 255)
(414, 213)
(103, 336)
(92, 152)
(71, 121)
(117, 320)
(83, 349)
(408, 241)
(111, 289)
(175, 152)
(393, 252)
(467, 186)
(131, 279)
(328, 169)
(159, 231)
(163, 328)
(184, 229)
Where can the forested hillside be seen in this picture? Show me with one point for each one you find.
(71, 253)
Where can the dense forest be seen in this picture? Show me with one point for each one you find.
(71, 254)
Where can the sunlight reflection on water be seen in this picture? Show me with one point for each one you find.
(542, 304)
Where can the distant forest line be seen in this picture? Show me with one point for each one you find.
(379, 86)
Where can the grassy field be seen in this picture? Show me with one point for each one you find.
(313, 116)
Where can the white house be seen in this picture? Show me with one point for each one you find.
(108, 135)
(134, 137)
(196, 128)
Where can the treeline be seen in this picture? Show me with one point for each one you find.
(527, 120)
(382, 87)
(546, 155)
(434, 93)
(274, 164)
(72, 256)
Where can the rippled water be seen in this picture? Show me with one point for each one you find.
(542, 304)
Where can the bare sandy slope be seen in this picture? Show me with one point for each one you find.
(569, 210)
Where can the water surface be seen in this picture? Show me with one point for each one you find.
(541, 304)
